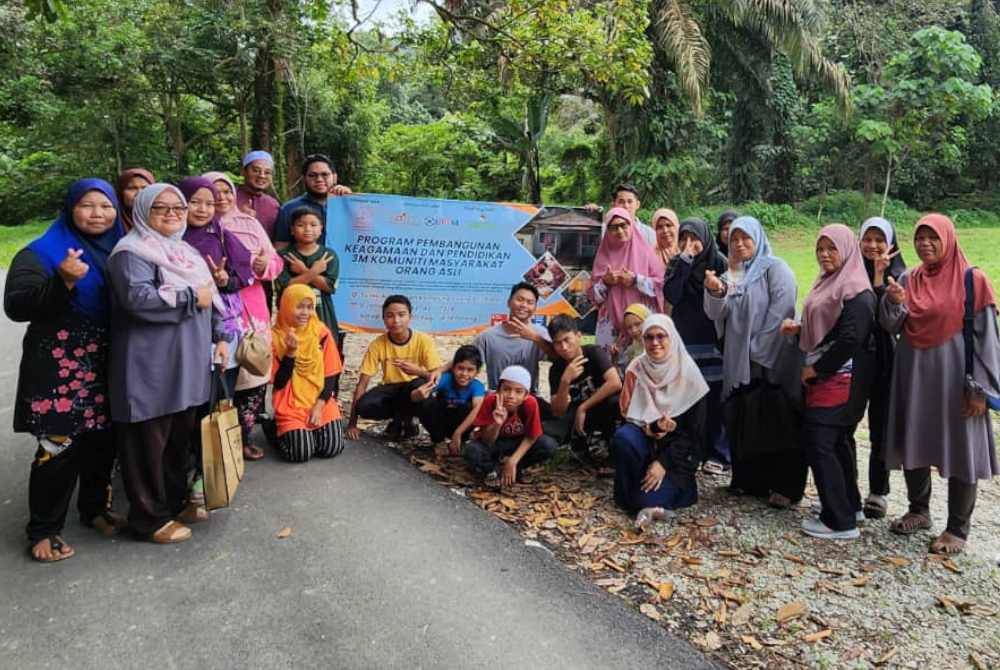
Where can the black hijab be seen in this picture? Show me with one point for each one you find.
(708, 259)
(727, 216)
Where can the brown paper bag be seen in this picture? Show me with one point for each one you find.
(221, 454)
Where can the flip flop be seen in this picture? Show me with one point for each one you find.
(56, 543)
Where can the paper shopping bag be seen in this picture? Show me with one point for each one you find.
(221, 454)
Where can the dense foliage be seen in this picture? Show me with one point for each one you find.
(695, 102)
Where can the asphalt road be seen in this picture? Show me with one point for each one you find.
(384, 569)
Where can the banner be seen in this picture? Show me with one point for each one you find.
(455, 260)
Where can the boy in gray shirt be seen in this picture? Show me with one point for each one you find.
(516, 341)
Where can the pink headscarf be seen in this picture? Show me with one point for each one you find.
(826, 299)
(935, 294)
(248, 230)
(634, 255)
(670, 215)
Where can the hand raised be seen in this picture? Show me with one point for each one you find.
(895, 292)
(713, 283)
(295, 264)
(291, 344)
(72, 269)
(260, 262)
(319, 266)
(500, 415)
(219, 273)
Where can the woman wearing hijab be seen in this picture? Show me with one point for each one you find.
(626, 270)
(129, 183)
(630, 343)
(232, 269)
(684, 290)
(882, 260)
(665, 224)
(306, 367)
(656, 451)
(938, 417)
(722, 230)
(835, 338)
(251, 389)
(165, 311)
(58, 284)
(761, 390)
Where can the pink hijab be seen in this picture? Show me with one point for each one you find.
(634, 255)
(935, 295)
(825, 301)
(246, 228)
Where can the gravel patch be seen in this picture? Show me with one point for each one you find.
(740, 581)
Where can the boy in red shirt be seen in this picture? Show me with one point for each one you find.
(508, 431)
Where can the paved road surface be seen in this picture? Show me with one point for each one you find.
(385, 569)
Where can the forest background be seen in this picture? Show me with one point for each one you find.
(798, 111)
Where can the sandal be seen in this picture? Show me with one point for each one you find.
(56, 545)
(778, 501)
(910, 523)
(713, 467)
(252, 452)
(875, 507)
(107, 523)
(170, 533)
(947, 544)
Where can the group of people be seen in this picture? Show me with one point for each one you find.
(144, 302)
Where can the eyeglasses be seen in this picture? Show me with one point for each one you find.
(93, 208)
(617, 226)
(654, 337)
(163, 210)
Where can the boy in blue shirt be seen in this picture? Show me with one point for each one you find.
(449, 406)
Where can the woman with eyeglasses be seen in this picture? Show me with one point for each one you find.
(657, 449)
(58, 285)
(626, 271)
(761, 389)
(165, 311)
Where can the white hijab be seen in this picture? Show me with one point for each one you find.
(666, 388)
(180, 264)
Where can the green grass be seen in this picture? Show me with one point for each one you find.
(14, 238)
(797, 247)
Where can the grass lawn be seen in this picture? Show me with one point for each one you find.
(797, 247)
(13, 238)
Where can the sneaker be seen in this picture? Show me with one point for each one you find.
(816, 528)
(492, 480)
(714, 467)
(817, 509)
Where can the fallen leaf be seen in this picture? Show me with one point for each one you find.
(283, 533)
(897, 561)
(728, 553)
(977, 662)
(886, 657)
(566, 523)
(817, 636)
(721, 614)
(613, 565)
(832, 571)
(712, 641)
(584, 539)
(707, 521)
(861, 581)
(666, 590)
(793, 559)
(509, 503)
(650, 610)
(691, 560)
(791, 611)
(752, 641)
(741, 616)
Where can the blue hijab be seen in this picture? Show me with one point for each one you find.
(90, 296)
(762, 259)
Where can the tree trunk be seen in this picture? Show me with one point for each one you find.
(888, 180)
(263, 98)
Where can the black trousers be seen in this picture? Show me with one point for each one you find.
(831, 454)
(961, 500)
(440, 419)
(88, 459)
(155, 456)
(878, 419)
(389, 401)
(603, 419)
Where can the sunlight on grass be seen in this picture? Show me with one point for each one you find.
(14, 238)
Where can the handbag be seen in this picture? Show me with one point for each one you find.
(221, 448)
(253, 354)
(992, 399)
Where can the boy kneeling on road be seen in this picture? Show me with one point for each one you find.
(508, 431)
(585, 385)
(448, 406)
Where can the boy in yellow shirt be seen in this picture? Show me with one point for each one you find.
(407, 359)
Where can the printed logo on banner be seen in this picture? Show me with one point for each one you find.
(497, 319)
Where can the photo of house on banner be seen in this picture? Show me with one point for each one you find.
(570, 234)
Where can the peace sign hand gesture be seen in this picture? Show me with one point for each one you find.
(219, 273)
(713, 283)
(72, 269)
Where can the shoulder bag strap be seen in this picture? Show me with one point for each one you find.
(968, 320)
